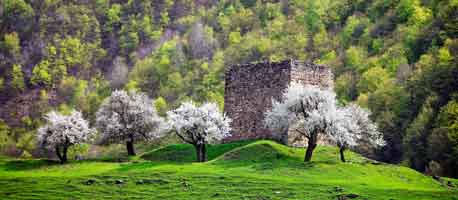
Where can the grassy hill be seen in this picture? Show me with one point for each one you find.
(243, 170)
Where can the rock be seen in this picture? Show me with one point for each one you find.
(90, 181)
(437, 178)
(338, 189)
(152, 181)
(352, 196)
(79, 157)
(347, 196)
(376, 162)
(341, 197)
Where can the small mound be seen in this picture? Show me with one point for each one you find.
(186, 152)
(261, 151)
(171, 153)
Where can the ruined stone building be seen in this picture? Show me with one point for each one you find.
(250, 88)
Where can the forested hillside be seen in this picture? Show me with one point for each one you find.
(398, 58)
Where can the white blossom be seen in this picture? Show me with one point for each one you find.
(199, 124)
(343, 130)
(310, 111)
(366, 131)
(63, 131)
(125, 116)
(304, 108)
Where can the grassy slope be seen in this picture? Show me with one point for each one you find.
(247, 170)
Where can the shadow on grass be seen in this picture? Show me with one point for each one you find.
(413, 194)
(19, 165)
(146, 165)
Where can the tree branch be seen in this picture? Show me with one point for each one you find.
(303, 133)
(184, 139)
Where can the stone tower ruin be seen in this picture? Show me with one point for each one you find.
(250, 88)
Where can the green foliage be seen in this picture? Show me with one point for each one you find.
(41, 74)
(2, 84)
(12, 44)
(17, 78)
(417, 131)
(311, 17)
(355, 58)
(148, 30)
(389, 98)
(345, 87)
(113, 17)
(72, 52)
(4, 134)
(26, 142)
(405, 9)
(354, 29)
(443, 141)
(17, 14)
(78, 151)
(373, 79)
(161, 106)
(84, 95)
(234, 37)
(448, 118)
(393, 58)
(129, 39)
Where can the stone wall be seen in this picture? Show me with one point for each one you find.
(313, 74)
(250, 88)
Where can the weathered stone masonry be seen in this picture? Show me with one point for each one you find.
(250, 88)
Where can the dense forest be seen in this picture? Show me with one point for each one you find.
(398, 58)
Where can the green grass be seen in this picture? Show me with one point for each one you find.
(186, 153)
(244, 170)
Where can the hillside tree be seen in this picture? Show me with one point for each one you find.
(128, 117)
(306, 109)
(62, 131)
(199, 125)
(351, 126)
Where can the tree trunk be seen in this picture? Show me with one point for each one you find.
(64, 155)
(58, 155)
(201, 152)
(311, 144)
(130, 148)
(130, 145)
(342, 156)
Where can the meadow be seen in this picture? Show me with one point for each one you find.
(241, 170)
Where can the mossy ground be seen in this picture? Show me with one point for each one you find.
(243, 170)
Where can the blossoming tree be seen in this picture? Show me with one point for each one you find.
(306, 109)
(63, 131)
(199, 125)
(128, 117)
(352, 126)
